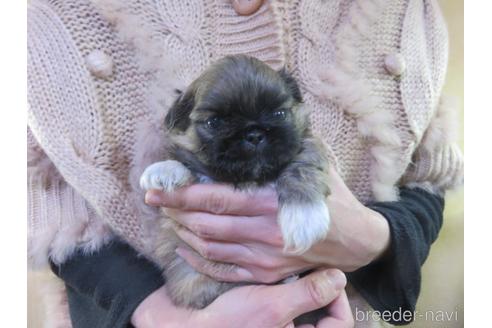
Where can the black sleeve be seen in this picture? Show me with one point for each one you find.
(104, 288)
(393, 283)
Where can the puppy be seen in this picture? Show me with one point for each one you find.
(245, 124)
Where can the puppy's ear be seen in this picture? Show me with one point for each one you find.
(291, 84)
(178, 116)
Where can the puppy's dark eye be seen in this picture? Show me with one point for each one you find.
(213, 122)
(280, 114)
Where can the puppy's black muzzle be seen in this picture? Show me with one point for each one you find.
(255, 137)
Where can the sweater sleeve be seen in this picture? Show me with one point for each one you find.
(83, 200)
(104, 288)
(437, 162)
(393, 283)
(57, 215)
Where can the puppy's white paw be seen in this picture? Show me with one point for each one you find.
(303, 225)
(167, 176)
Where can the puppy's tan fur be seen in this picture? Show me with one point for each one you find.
(301, 186)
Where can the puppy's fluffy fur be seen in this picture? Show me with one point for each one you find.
(244, 124)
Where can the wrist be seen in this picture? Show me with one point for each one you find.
(157, 310)
(365, 239)
(379, 230)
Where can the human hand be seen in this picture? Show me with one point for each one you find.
(255, 306)
(226, 225)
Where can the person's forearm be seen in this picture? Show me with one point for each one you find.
(360, 236)
(392, 282)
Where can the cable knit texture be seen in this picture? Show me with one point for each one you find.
(102, 74)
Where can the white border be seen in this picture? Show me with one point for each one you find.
(13, 164)
(478, 163)
(478, 172)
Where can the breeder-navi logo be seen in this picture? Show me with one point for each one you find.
(405, 315)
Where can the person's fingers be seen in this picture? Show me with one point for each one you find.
(211, 226)
(229, 228)
(217, 199)
(214, 250)
(250, 266)
(340, 307)
(218, 271)
(339, 314)
(307, 294)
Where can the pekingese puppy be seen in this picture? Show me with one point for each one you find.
(245, 124)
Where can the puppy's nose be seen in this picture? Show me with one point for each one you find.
(255, 136)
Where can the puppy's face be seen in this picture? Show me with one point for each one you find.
(241, 120)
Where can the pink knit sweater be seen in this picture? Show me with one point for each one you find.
(102, 74)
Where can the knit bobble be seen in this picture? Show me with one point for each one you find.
(246, 7)
(395, 64)
(99, 64)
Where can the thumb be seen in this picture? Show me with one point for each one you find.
(307, 294)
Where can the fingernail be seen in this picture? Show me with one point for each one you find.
(245, 274)
(154, 198)
(325, 284)
(337, 278)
